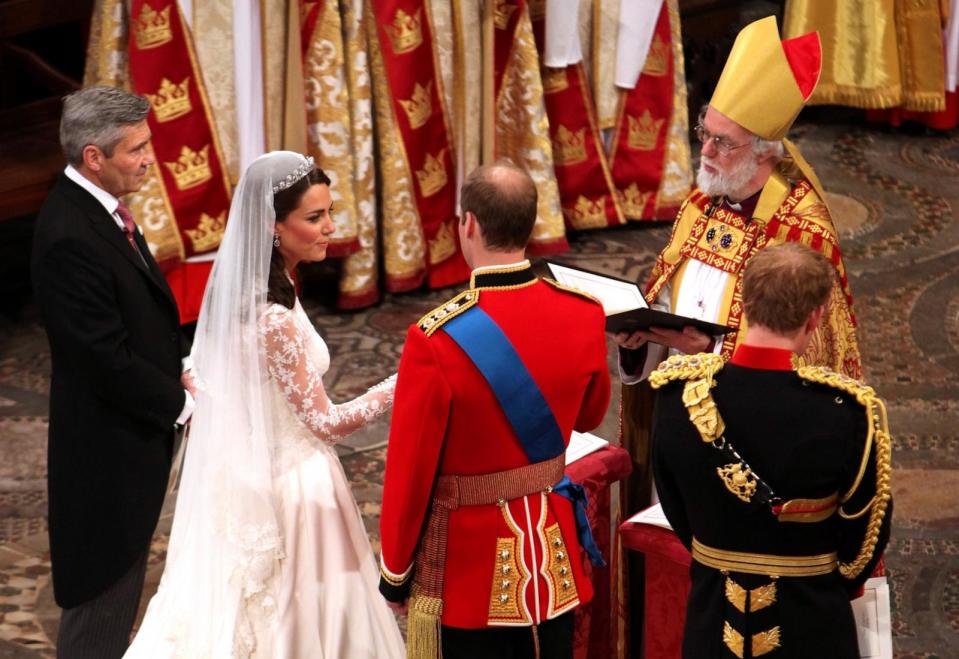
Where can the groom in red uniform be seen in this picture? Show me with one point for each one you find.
(481, 531)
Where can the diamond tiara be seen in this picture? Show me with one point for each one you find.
(305, 168)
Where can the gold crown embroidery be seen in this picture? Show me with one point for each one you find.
(569, 147)
(634, 200)
(171, 101)
(152, 28)
(643, 131)
(192, 167)
(432, 177)
(420, 106)
(554, 80)
(208, 232)
(443, 245)
(657, 58)
(502, 13)
(588, 213)
(406, 32)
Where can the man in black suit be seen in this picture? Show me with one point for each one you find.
(776, 479)
(117, 389)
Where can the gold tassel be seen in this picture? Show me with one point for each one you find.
(423, 628)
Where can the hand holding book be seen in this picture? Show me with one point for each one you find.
(688, 341)
(627, 311)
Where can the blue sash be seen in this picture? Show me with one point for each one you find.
(521, 400)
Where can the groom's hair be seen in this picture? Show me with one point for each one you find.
(279, 288)
(503, 198)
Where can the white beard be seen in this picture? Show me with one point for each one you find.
(719, 184)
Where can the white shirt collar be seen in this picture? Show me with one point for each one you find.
(107, 200)
(486, 268)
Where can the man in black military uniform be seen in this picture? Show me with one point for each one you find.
(777, 480)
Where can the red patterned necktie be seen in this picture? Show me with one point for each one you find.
(129, 226)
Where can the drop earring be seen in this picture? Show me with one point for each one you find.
(276, 240)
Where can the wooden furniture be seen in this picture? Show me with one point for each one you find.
(42, 51)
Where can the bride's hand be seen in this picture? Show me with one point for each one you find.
(399, 608)
(386, 387)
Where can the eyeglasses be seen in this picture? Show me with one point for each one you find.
(721, 144)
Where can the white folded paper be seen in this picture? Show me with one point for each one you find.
(653, 515)
(582, 444)
(873, 620)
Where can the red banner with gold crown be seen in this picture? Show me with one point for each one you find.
(639, 145)
(163, 68)
(586, 189)
(405, 34)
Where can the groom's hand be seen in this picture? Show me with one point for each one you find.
(398, 607)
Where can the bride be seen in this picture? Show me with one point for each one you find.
(268, 555)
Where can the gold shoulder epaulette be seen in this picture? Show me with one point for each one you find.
(878, 441)
(570, 289)
(447, 311)
(686, 367)
(827, 376)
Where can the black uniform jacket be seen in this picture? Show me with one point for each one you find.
(806, 441)
(115, 392)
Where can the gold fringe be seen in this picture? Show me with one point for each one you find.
(423, 627)
(868, 99)
(924, 101)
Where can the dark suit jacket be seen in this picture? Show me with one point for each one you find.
(807, 441)
(115, 391)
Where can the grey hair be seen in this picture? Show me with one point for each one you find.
(763, 147)
(97, 116)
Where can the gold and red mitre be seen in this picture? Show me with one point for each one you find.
(766, 80)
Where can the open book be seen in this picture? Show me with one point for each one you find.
(626, 309)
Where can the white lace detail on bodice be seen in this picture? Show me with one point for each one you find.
(296, 359)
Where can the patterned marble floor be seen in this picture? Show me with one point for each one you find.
(896, 198)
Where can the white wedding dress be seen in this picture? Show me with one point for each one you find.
(328, 602)
(324, 598)
(268, 557)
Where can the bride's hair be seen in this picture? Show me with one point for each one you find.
(279, 288)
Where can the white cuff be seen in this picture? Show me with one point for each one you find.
(655, 354)
(391, 577)
(187, 363)
(188, 406)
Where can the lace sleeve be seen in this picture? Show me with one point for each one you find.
(290, 365)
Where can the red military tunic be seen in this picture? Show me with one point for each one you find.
(521, 563)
